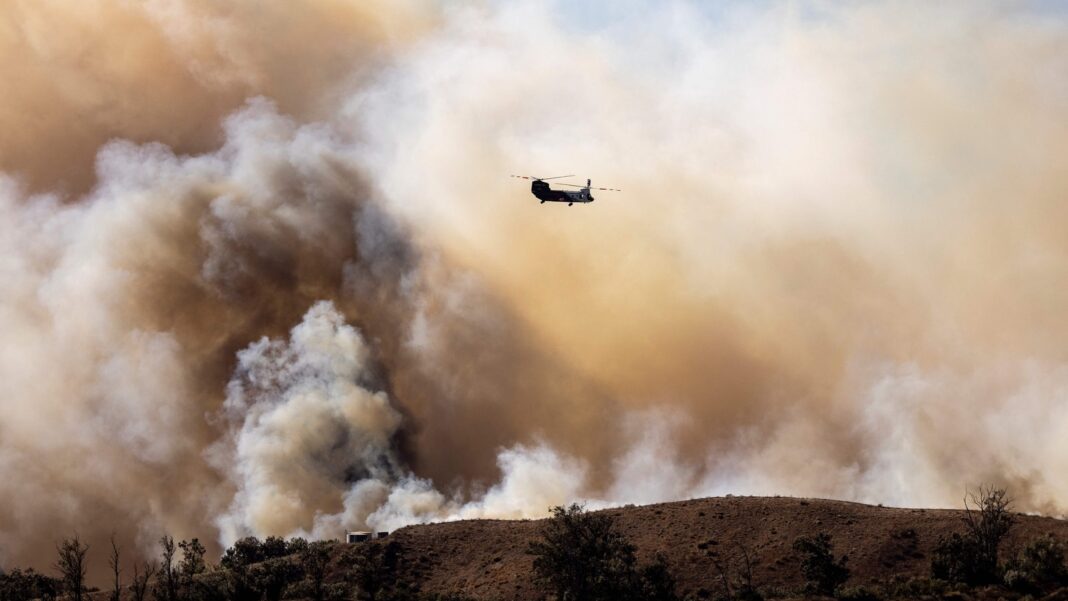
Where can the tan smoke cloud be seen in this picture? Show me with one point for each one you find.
(80, 74)
(834, 269)
(836, 253)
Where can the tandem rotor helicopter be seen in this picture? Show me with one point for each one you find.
(540, 189)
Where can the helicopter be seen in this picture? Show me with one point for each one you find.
(541, 190)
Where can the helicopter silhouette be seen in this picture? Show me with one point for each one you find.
(541, 190)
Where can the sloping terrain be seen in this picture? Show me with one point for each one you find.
(486, 559)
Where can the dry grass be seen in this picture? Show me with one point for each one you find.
(486, 559)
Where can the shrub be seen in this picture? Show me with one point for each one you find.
(582, 557)
(211, 585)
(274, 546)
(271, 577)
(296, 545)
(913, 587)
(24, 585)
(314, 559)
(250, 550)
(372, 569)
(818, 565)
(657, 582)
(956, 559)
(1039, 566)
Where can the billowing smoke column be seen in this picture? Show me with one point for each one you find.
(263, 273)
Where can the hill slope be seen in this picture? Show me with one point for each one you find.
(486, 559)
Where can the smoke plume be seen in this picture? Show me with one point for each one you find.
(263, 271)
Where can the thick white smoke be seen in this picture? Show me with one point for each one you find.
(311, 436)
(305, 421)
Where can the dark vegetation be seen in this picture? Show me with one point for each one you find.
(582, 557)
(823, 573)
(577, 555)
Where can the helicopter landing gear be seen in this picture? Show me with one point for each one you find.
(543, 202)
(570, 203)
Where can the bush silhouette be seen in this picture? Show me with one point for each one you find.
(24, 585)
(818, 565)
(314, 559)
(1037, 567)
(373, 571)
(581, 556)
(956, 559)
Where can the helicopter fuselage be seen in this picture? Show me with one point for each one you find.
(544, 193)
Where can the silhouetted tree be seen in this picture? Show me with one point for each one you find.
(71, 566)
(141, 575)
(581, 556)
(818, 565)
(191, 564)
(167, 576)
(192, 560)
(988, 519)
(972, 558)
(116, 572)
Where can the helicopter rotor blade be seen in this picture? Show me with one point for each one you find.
(541, 178)
(591, 188)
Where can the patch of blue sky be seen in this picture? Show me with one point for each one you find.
(594, 15)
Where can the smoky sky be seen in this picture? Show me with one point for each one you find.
(264, 271)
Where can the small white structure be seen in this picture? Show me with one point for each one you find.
(357, 536)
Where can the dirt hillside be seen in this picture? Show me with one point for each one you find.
(486, 559)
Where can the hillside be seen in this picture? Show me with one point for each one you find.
(486, 559)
